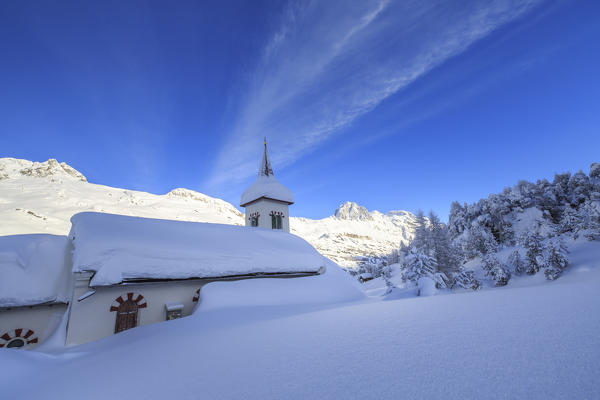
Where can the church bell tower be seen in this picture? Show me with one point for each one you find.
(267, 201)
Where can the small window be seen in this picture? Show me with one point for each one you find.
(254, 221)
(276, 221)
(173, 314)
(16, 343)
(174, 311)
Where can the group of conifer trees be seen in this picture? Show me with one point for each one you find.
(562, 210)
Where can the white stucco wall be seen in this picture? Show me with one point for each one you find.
(42, 320)
(264, 208)
(91, 318)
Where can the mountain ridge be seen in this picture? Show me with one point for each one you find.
(41, 197)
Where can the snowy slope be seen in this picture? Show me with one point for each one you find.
(42, 197)
(44, 202)
(536, 342)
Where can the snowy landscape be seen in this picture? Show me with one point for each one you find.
(374, 199)
(41, 197)
(500, 302)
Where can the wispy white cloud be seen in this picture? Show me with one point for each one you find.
(332, 63)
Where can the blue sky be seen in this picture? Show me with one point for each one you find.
(391, 104)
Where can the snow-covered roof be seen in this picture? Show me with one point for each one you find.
(266, 185)
(269, 187)
(120, 248)
(33, 270)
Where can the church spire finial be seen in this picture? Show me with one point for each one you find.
(265, 164)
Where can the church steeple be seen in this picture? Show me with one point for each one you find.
(267, 201)
(265, 164)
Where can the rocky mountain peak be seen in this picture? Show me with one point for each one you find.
(353, 211)
(16, 168)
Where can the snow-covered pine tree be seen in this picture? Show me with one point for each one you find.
(590, 215)
(457, 221)
(421, 235)
(466, 280)
(595, 171)
(578, 189)
(495, 269)
(479, 241)
(376, 266)
(446, 255)
(517, 263)
(557, 259)
(532, 241)
(419, 264)
(571, 221)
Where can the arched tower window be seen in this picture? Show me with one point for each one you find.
(276, 221)
(254, 218)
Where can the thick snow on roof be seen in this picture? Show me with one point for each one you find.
(267, 186)
(33, 270)
(120, 248)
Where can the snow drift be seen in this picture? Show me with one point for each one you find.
(537, 342)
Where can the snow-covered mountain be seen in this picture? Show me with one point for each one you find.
(354, 231)
(42, 196)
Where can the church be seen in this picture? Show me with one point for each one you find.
(115, 272)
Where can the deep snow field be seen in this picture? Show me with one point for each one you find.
(287, 339)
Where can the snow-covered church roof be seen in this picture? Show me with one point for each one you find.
(34, 270)
(266, 185)
(121, 248)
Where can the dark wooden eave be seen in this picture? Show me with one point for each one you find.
(136, 281)
(267, 198)
(46, 303)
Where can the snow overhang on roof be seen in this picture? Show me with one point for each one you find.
(266, 187)
(34, 270)
(119, 248)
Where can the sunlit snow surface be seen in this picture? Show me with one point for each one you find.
(538, 341)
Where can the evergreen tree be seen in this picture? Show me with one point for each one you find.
(466, 280)
(495, 269)
(578, 188)
(419, 264)
(479, 241)
(571, 221)
(446, 255)
(532, 241)
(557, 259)
(457, 221)
(517, 263)
(421, 238)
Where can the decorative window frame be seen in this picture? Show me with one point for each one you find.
(136, 297)
(26, 335)
(196, 297)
